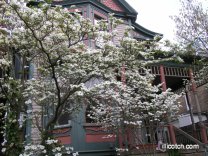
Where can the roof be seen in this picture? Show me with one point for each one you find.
(145, 31)
(128, 7)
(128, 12)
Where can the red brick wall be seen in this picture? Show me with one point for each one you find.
(112, 4)
(202, 94)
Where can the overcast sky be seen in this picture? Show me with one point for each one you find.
(155, 15)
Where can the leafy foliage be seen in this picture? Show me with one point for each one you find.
(52, 42)
(192, 32)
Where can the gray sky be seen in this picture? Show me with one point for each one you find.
(155, 15)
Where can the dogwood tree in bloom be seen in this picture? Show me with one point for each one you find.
(134, 101)
(49, 42)
(192, 32)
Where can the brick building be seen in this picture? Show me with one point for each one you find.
(89, 138)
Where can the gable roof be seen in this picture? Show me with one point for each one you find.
(128, 7)
(128, 10)
(146, 32)
(113, 4)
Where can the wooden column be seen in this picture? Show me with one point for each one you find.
(164, 87)
(202, 126)
(193, 84)
(162, 78)
(172, 134)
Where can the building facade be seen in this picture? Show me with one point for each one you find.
(90, 139)
(87, 137)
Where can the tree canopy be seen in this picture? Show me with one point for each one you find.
(192, 32)
(55, 66)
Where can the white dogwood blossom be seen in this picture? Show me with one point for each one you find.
(49, 43)
(57, 150)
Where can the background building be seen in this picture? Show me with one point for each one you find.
(90, 139)
(87, 137)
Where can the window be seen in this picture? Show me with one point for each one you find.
(97, 19)
(66, 116)
(99, 41)
(21, 67)
(64, 119)
(87, 113)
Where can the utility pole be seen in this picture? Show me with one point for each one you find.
(190, 109)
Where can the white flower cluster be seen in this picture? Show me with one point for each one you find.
(4, 63)
(52, 39)
(121, 150)
(33, 149)
(51, 141)
(202, 76)
(58, 150)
